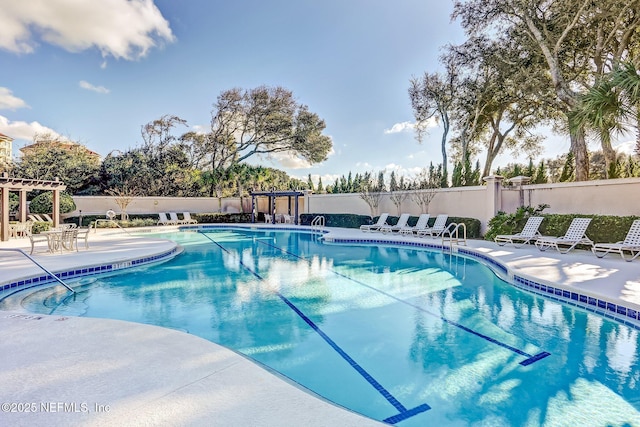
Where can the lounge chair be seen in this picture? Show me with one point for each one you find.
(382, 220)
(174, 218)
(529, 232)
(188, 219)
(574, 236)
(422, 224)
(402, 222)
(47, 218)
(164, 220)
(268, 218)
(630, 244)
(438, 227)
(36, 218)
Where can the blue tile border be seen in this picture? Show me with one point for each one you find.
(27, 283)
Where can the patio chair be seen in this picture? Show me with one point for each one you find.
(529, 232)
(422, 224)
(83, 233)
(382, 220)
(574, 236)
(174, 218)
(188, 219)
(438, 227)
(35, 238)
(268, 218)
(402, 222)
(630, 244)
(164, 220)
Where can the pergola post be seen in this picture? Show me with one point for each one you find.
(295, 218)
(23, 205)
(56, 208)
(4, 202)
(253, 209)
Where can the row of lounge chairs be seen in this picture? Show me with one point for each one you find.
(421, 228)
(173, 219)
(629, 248)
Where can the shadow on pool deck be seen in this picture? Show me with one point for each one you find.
(84, 371)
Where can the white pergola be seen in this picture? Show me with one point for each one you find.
(23, 186)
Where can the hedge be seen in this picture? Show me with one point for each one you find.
(602, 229)
(337, 220)
(355, 221)
(142, 220)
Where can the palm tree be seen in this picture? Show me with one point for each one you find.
(611, 105)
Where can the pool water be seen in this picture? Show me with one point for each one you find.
(410, 337)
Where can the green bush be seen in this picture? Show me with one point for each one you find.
(504, 223)
(222, 218)
(337, 220)
(602, 229)
(43, 203)
(14, 202)
(39, 226)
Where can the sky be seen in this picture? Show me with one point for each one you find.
(95, 72)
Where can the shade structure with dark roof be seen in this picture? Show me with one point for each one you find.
(272, 195)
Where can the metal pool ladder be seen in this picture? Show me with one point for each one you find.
(317, 223)
(39, 265)
(452, 234)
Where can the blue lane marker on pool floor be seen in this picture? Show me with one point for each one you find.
(530, 358)
(403, 412)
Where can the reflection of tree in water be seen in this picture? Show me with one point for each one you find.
(530, 323)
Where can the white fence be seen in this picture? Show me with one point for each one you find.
(619, 197)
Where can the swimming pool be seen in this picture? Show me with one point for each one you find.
(409, 336)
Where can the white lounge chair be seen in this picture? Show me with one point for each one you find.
(187, 218)
(402, 222)
(438, 227)
(164, 220)
(47, 218)
(574, 236)
(382, 220)
(422, 224)
(630, 244)
(529, 232)
(174, 218)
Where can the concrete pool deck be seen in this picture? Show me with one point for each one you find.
(66, 371)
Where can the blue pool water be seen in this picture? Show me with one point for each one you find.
(408, 336)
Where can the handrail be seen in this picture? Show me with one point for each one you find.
(95, 225)
(452, 233)
(39, 265)
(317, 223)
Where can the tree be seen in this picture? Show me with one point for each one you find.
(263, 121)
(310, 183)
(371, 192)
(568, 171)
(51, 158)
(577, 40)
(425, 187)
(611, 105)
(432, 98)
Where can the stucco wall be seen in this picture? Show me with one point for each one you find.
(605, 197)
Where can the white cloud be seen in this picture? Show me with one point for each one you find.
(23, 130)
(290, 161)
(409, 127)
(627, 147)
(10, 102)
(400, 127)
(124, 29)
(88, 86)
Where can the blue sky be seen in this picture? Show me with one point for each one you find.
(97, 72)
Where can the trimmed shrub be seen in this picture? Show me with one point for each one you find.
(222, 218)
(337, 220)
(602, 229)
(43, 203)
(39, 226)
